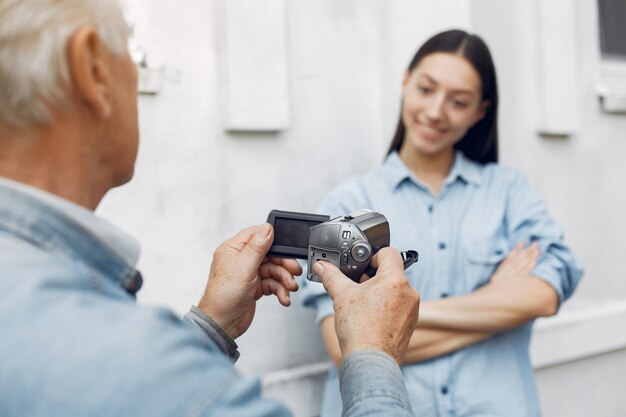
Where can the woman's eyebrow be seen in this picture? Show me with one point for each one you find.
(455, 91)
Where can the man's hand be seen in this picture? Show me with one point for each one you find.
(380, 313)
(241, 273)
(519, 262)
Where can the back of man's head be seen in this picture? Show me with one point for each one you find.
(68, 103)
(33, 50)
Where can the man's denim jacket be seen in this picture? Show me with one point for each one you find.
(74, 342)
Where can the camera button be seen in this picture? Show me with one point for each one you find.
(361, 251)
(346, 234)
(344, 243)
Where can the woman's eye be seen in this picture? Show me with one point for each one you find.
(460, 104)
(423, 89)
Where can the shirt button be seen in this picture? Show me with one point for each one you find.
(430, 208)
(442, 245)
(444, 295)
(444, 390)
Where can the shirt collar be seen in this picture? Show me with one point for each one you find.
(462, 168)
(75, 230)
(396, 171)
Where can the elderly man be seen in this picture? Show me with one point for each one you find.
(74, 342)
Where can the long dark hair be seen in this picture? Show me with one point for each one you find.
(480, 143)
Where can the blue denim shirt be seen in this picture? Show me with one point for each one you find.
(75, 343)
(482, 212)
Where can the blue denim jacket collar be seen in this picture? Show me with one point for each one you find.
(70, 230)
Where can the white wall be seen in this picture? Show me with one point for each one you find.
(584, 388)
(196, 184)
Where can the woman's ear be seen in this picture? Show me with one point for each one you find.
(405, 79)
(89, 70)
(482, 110)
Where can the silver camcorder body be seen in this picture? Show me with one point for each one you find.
(349, 241)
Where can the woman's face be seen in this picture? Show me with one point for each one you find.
(442, 101)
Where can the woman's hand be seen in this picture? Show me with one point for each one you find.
(519, 262)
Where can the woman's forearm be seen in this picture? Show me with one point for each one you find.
(498, 306)
(425, 343)
(453, 323)
(429, 343)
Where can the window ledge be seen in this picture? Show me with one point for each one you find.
(579, 332)
(612, 86)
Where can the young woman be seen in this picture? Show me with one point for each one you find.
(492, 260)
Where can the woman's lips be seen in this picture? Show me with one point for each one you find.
(429, 131)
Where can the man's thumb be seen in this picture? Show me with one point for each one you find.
(333, 280)
(258, 245)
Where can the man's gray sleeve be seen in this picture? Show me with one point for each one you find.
(201, 321)
(372, 385)
(371, 381)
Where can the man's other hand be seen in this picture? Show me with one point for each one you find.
(241, 273)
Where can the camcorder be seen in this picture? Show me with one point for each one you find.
(348, 241)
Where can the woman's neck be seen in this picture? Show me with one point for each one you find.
(432, 169)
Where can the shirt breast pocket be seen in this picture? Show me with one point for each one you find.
(483, 257)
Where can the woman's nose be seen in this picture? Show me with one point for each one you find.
(435, 109)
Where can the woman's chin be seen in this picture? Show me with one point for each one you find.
(430, 148)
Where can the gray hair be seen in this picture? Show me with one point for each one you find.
(33, 45)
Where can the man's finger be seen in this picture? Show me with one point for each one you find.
(364, 278)
(278, 273)
(255, 249)
(237, 243)
(289, 264)
(387, 257)
(333, 280)
(269, 286)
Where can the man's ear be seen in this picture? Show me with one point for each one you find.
(89, 70)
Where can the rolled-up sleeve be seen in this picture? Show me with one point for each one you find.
(196, 318)
(528, 219)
